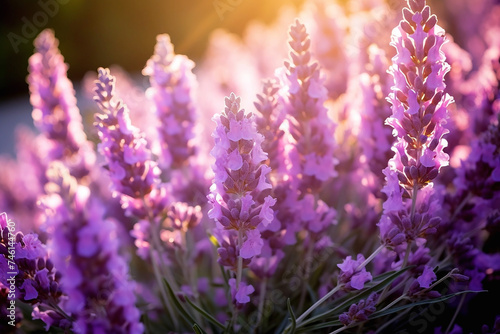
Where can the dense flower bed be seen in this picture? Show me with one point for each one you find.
(360, 192)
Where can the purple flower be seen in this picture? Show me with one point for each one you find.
(54, 106)
(426, 278)
(239, 193)
(419, 114)
(31, 248)
(310, 129)
(128, 158)
(351, 276)
(172, 84)
(240, 175)
(37, 282)
(359, 312)
(240, 295)
(269, 123)
(99, 293)
(252, 245)
(328, 37)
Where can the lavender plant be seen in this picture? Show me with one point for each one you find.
(333, 204)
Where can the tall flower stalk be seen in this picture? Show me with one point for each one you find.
(239, 193)
(310, 144)
(134, 175)
(55, 112)
(100, 295)
(419, 114)
(172, 90)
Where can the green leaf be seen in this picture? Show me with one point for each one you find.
(379, 314)
(312, 328)
(205, 314)
(292, 316)
(345, 302)
(185, 315)
(337, 323)
(197, 329)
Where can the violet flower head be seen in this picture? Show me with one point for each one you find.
(55, 112)
(124, 147)
(351, 275)
(419, 104)
(359, 312)
(419, 114)
(36, 280)
(239, 193)
(237, 198)
(311, 130)
(269, 122)
(172, 83)
(85, 249)
(240, 295)
(183, 217)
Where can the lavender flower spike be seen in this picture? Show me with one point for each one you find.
(172, 82)
(55, 112)
(311, 130)
(359, 312)
(419, 115)
(85, 249)
(238, 191)
(129, 160)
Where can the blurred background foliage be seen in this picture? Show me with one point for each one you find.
(96, 33)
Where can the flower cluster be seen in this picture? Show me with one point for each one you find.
(100, 296)
(353, 191)
(37, 282)
(239, 203)
(132, 171)
(54, 107)
(172, 84)
(360, 311)
(419, 114)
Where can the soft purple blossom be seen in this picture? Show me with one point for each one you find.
(124, 147)
(359, 312)
(172, 90)
(426, 278)
(351, 275)
(55, 112)
(95, 277)
(240, 175)
(240, 295)
(419, 114)
(37, 282)
(239, 202)
(269, 123)
(310, 129)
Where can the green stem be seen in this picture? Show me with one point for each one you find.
(393, 319)
(260, 310)
(456, 314)
(370, 258)
(240, 260)
(395, 301)
(166, 302)
(306, 277)
(407, 254)
(341, 329)
(318, 303)
(239, 272)
(414, 200)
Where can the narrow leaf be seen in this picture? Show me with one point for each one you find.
(205, 314)
(422, 302)
(197, 329)
(185, 315)
(346, 302)
(292, 316)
